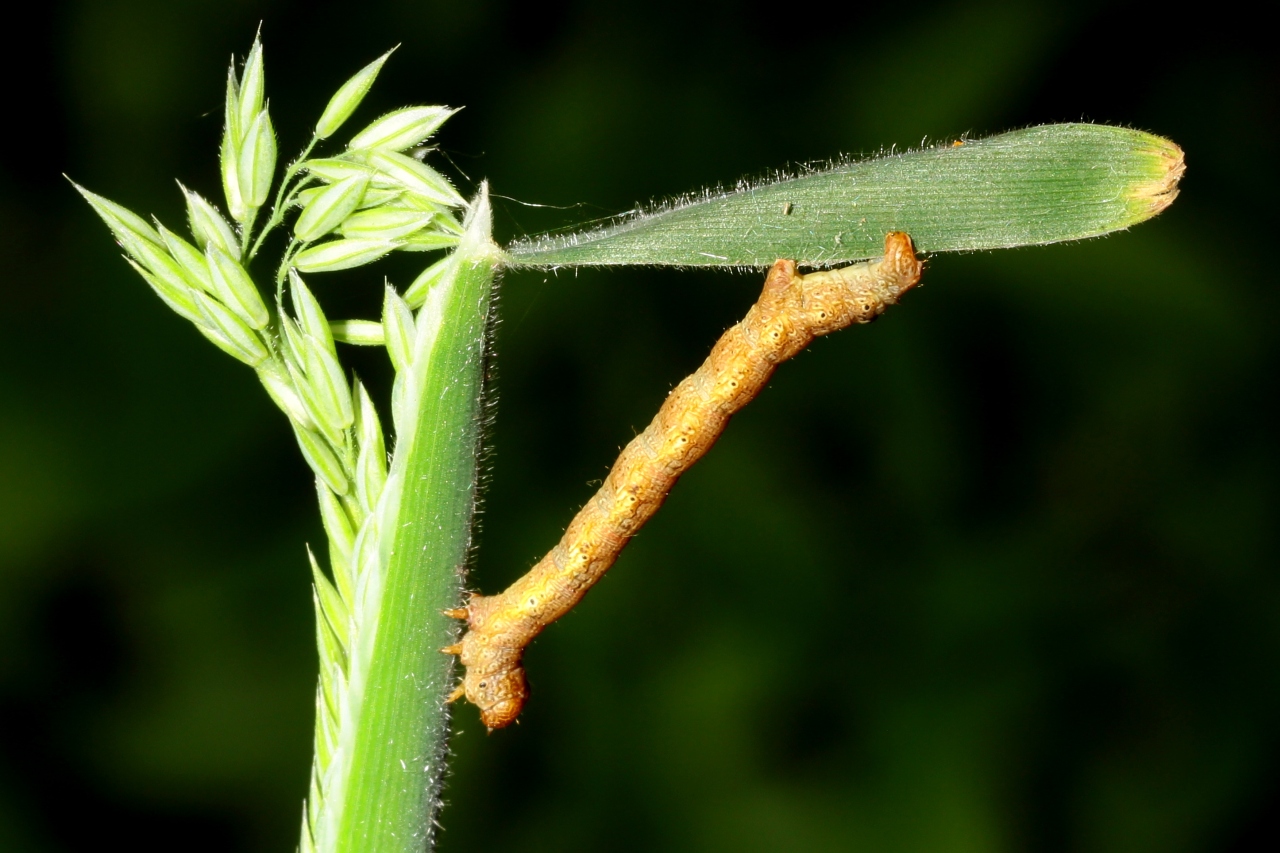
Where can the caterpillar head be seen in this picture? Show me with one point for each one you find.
(494, 681)
(498, 693)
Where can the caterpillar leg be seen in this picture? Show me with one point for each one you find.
(455, 649)
(458, 693)
(456, 613)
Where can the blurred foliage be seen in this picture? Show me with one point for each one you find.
(990, 575)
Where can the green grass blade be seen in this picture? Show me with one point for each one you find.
(1039, 185)
(400, 679)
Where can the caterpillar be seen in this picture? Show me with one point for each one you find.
(792, 310)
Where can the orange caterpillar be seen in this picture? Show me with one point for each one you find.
(791, 312)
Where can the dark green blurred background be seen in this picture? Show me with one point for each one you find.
(998, 573)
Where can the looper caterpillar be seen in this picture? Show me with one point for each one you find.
(792, 310)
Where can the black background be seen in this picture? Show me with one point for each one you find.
(997, 573)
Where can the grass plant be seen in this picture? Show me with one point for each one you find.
(399, 529)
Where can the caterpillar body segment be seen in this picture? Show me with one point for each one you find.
(792, 310)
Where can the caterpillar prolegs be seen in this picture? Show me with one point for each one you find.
(792, 310)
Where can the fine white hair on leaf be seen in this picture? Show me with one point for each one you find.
(1038, 185)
